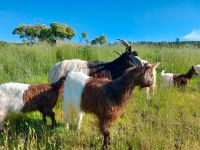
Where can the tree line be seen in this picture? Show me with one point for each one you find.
(52, 33)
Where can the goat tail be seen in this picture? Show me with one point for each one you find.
(162, 73)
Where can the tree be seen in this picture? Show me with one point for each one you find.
(20, 31)
(45, 33)
(31, 33)
(102, 39)
(94, 42)
(61, 31)
(84, 36)
(99, 40)
(41, 32)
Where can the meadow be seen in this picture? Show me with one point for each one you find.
(170, 121)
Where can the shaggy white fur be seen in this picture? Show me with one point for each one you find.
(11, 99)
(61, 68)
(167, 79)
(73, 88)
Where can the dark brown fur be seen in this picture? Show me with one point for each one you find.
(183, 79)
(106, 98)
(43, 97)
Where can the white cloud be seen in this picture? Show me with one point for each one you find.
(193, 36)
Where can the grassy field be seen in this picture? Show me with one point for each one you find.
(170, 121)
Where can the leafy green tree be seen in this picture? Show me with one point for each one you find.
(45, 33)
(102, 39)
(41, 32)
(84, 36)
(31, 33)
(94, 42)
(20, 31)
(61, 31)
(99, 40)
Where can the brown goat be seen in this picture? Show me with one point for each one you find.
(180, 80)
(18, 97)
(43, 97)
(184, 79)
(103, 97)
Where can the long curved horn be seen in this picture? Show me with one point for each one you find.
(126, 44)
(117, 53)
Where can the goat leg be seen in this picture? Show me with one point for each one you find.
(44, 119)
(53, 120)
(106, 138)
(104, 127)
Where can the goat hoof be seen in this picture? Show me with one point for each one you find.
(106, 143)
(105, 147)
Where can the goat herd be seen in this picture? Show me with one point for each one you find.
(101, 88)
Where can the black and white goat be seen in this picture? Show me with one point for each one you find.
(111, 70)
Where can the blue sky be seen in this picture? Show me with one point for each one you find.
(132, 20)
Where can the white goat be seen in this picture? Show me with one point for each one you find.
(61, 68)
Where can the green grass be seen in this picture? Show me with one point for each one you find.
(170, 121)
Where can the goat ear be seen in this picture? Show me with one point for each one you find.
(156, 65)
(129, 49)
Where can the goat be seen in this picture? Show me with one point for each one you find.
(101, 96)
(181, 80)
(19, 97)
(152, 88)
(111, 70)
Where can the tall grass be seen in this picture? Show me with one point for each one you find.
(171, 121)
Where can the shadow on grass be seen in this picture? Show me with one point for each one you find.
(20, 123)
(25, 126)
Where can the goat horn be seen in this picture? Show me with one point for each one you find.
(117, 53)
(126, 44)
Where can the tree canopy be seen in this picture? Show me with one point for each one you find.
(99, 40)
(41, 32)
